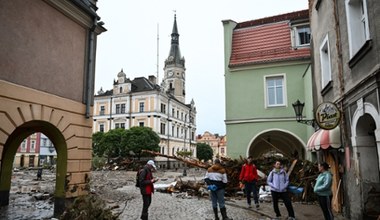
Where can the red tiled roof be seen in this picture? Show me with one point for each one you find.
(266, 40)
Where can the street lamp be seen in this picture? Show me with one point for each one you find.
(298, 108)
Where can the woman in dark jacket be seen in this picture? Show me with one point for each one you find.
(216, 179)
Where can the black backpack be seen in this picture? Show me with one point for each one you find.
(138, 177)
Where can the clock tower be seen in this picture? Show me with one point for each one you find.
(174, 70)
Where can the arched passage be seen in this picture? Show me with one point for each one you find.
(9, 152)
(279, 141)
(365, 140)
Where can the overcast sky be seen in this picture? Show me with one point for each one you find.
(130, 43)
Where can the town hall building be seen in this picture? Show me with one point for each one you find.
(142, 102)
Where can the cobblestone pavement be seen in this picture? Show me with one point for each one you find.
(171, 206)
(117, 189)
(181, 207)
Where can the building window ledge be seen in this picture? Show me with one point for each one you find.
(360, 54)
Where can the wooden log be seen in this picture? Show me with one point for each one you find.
(292, 167)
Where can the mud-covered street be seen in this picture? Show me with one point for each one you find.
(32, 199)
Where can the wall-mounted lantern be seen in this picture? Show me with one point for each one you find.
(298, 109)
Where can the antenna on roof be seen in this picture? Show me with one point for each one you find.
(158, 39)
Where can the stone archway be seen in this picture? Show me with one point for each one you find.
(281, 141)
(365, 139)
(10, 149)
(63, 121)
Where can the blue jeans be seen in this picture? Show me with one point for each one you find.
(217, 197)
(250, 187)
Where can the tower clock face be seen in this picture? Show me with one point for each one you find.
(183, 75)
(170, 73)
(174, 37)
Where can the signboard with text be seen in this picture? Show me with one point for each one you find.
(327, 116)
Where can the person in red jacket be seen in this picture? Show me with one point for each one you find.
(146, 186)
(248, 176)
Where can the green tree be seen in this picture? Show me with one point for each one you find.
(204, 151)
(98, 147)
(115, 143)
(142, 138)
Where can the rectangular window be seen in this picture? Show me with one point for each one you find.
(117, 108)
(222, 150)
(102, 110)
(173, 115)
(302, 35)
(141, 107)
(324, 52)
(122, 125)
(163, 108)
(162, 128)
(122, 108)
(357, 22)
(177, 131)
(101, 127)
(23, 146)
(117, 125)
(173, 131)
(33, 146)
(275, 95)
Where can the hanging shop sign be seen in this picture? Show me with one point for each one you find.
(327, 116)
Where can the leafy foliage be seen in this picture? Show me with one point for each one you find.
(140, 138)
(120, 142)
(204, 151)
(184, 153)
(98, 148)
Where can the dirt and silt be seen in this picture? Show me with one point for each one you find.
(33, 199)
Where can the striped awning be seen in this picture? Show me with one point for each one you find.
(324, 139)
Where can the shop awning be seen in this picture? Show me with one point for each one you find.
(324, 139)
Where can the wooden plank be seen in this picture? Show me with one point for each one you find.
(292, 167)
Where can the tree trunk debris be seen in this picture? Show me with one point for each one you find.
(301, 174)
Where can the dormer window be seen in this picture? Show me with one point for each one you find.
(301, 35)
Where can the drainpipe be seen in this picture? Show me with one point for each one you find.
(90, 68)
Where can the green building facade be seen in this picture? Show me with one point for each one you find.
(265, 72)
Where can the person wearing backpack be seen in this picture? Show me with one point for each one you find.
(146, 181)
(248, 176)
(278, 181)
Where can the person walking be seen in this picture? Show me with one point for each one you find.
(216, 179)
(323, 189)
(278, 181)
(146, 186)
(248, 176)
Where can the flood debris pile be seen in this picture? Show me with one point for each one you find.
(88, 207)
(301, 174)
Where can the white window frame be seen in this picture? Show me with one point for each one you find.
(141, 106)
(284, 94)
(295, 36)
(101, 125)
(32, 146)
(325, 59)
(23, 146)
(357, 19)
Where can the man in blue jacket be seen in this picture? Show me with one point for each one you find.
(278, 181)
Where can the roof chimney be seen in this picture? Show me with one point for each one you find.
(152, 79)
